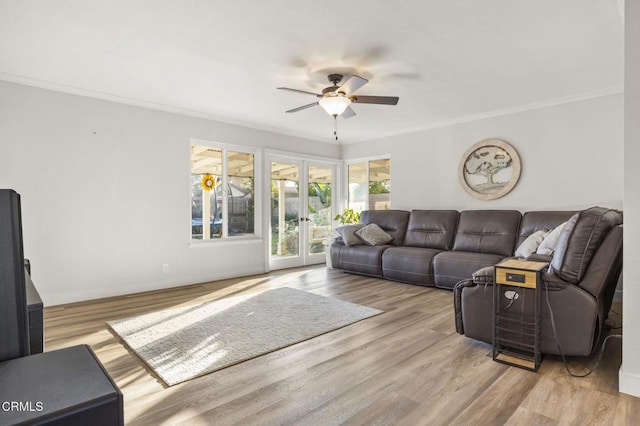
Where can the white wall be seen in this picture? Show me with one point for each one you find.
(105, 193)
(630, 370)
(571, 154)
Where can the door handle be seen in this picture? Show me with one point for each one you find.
(305, 219)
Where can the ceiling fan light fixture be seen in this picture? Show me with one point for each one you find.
(334, 105)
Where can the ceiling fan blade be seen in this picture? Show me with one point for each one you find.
(380, 100)
(352, 84)
(300, 91)
(303, 107)
(348, 113)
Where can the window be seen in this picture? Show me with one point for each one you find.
(369, 184)
(222, 192)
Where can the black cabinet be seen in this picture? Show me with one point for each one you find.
(64, 387)
(34, 315)
(14, 335)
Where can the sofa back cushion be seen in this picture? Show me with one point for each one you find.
(487, 231)
(580, 239)
(432, 229)
(536, 220)
(393, 222)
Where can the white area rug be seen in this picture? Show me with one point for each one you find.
(184, 343)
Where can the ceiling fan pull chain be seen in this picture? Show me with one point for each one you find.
(335, 126)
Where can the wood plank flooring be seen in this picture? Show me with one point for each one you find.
(404, 367)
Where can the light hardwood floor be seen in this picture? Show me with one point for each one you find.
(406, 366)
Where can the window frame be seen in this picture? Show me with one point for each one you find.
(365, 160)
(257, 192)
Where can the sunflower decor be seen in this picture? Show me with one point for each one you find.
(208, 182)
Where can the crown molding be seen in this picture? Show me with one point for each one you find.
(501, 112)
(27, 81)
(79, 91)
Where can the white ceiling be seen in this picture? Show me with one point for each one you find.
(448, 61)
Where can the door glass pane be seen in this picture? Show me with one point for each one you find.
(240, 193)
(285, 214)
(206, 181)
(319, 226)
(380, 184)
(357, 186)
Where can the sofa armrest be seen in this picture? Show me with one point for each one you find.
(457, 303)
(483, 276)
(535, 257)
(553, 282)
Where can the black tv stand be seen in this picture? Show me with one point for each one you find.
(66, 387)
(34, 313)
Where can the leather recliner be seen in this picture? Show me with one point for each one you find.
(443, 248)
(577, 290)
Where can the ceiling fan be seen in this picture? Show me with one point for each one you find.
(336, 100)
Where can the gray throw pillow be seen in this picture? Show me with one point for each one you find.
(373, 235)
(548, 245)
(347, 232)
(531, 243)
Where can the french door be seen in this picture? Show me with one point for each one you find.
(302, 204)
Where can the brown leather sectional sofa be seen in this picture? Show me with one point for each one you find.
(444, 248)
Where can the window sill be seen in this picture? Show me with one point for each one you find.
(228, 242)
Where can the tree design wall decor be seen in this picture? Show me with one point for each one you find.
(489, 169)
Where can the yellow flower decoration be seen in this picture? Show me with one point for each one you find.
(208, 182)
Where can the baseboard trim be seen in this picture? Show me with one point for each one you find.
(618, 296)
(101, 293)
(628, 383)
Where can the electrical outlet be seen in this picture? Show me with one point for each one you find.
(165, 268)
(511, 295)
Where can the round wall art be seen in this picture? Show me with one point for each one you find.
(489, 169)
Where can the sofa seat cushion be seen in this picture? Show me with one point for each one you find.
(409, 264)
(450, 267)
(360, 259)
